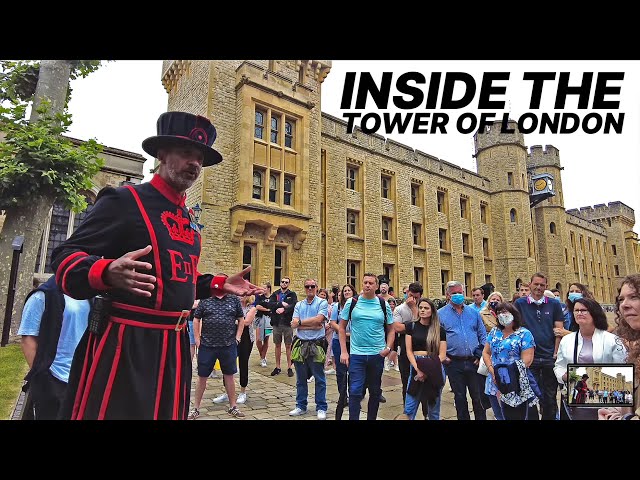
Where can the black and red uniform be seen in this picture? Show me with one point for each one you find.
(140, 367)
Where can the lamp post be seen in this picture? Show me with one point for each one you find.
(197, 211)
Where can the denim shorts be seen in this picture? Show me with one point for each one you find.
(207, 357)
(192, 337)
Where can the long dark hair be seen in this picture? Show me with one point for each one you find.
(596, 311)
(344, 300)
(585, 294)
(433, 330)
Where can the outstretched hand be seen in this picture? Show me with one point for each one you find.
(121, 273)
(238, 285)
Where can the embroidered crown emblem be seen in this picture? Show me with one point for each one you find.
(178, 227)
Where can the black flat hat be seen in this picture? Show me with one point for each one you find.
(184, 129)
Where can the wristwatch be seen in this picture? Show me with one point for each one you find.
(299, 322)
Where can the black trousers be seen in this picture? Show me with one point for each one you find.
(47, 393)
(548, 383)
(244, 352)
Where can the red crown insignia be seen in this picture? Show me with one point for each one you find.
(176, 224)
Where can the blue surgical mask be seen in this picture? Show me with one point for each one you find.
(457, 299)
(573, 296)
(406, 295)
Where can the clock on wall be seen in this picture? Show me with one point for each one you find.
(540, 184)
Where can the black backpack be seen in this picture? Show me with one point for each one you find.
(383, 306)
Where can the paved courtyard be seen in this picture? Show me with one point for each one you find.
(272, 398)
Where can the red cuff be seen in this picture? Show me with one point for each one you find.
(217, 283)
(95, 275)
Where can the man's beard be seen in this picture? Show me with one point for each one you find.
(179, 181)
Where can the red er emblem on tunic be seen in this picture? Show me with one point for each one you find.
(178, 226)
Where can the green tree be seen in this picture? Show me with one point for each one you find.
(37, 164)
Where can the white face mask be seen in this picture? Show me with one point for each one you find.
(505, 319)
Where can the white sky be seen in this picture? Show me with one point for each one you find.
(613, 371)
(120, 103)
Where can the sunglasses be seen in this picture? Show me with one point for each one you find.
(284, 281)
(310, 286)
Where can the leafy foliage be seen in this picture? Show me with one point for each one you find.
(35, 158)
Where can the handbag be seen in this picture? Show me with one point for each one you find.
(482, 368)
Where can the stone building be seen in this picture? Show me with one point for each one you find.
(598, 380)
(297, 195)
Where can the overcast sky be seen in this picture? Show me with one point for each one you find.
(120, 103)
(613, 371)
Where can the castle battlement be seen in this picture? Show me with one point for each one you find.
(493, 136)
(574, 218)
(614, 209)
(378, 145)
(543, 157)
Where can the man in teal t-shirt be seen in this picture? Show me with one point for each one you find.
(371, 340)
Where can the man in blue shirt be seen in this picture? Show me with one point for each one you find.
(371, 341)
(51, 328)
(540, 315)
(309, 316)
(466, 336)
(478, 299)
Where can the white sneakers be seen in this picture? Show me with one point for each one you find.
(242, 398)
(263, 362)
(322, 415)
(331, 371)
(221, 398)
(296, 412)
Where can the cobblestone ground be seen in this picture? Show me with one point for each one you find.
(272, 398)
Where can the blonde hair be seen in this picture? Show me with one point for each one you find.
(486, 307)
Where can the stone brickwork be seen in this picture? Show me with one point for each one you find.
(313, 229)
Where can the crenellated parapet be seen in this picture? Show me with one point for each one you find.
(603, 211)
(376, 144)
(549, 156)
(493, 136)
(172, 71)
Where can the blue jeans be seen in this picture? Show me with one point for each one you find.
(496, 406)
(462, 376)
(411, 403)
(365, 369)
(302, 387)
(341, 370)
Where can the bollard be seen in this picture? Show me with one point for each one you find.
(11, 288)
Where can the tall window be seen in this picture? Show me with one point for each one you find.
(417, 275)
(441, 202)
(552, 228)
(442, 238)
(444, 279)
(513, 216)
(464, 208)
(63, 224)
(275, 123)
(279, 264)
(273, 188)
(467, 284)
(352, 178)
(566, 256)
(415, 189)
(487, 279)
(386, 228)
(259, 125)
(288, 190)
(614, 250)
(465, 243)
(616, 270)
(483, 213)
(352, 222)
(385, 189)
(387, 269)
(288, 134)
(417, 233)
(509, 178)
(485, 247)
(257, 184)
(575, 265)
(352, 273)
(248, 259)
(589, 243)
(573, 239)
